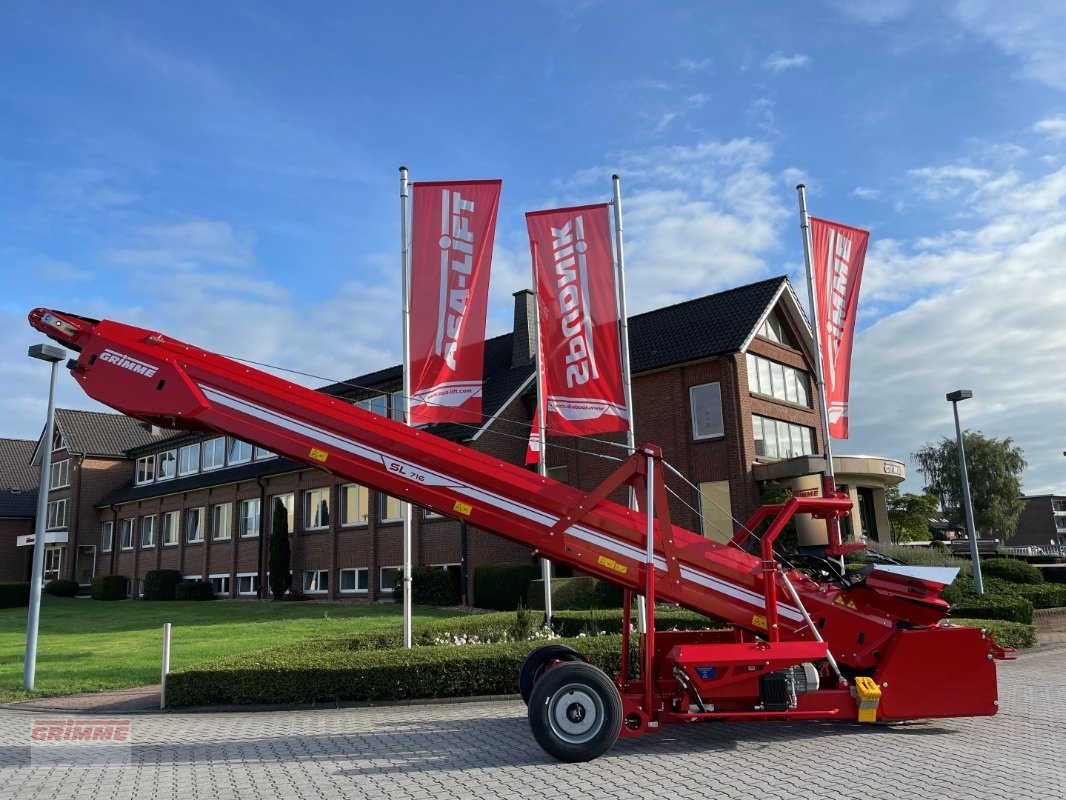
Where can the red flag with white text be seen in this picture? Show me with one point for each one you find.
(578, 307)
(533, 447)
(838, 253)
(452, 232)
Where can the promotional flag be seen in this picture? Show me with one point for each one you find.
(578, 312)
(838, 253)
(452, 231)
(533, 448)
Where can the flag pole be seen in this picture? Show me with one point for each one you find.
(405, 261)
(542, 459)
(829, 482)
(623, 337)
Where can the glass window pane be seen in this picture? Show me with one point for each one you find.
(765, 386)
(753, 373)
(706, 409)
(777, 378)
(791, 393)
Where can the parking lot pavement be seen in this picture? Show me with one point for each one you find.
(484, 749)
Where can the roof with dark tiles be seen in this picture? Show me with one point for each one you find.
(18, 479)
(95, 433)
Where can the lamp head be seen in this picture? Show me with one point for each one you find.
(47, 352)
(959, 394)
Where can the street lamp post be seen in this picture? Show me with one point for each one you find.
(53, 354)
(954, 398)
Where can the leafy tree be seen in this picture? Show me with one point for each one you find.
(774, 493)
(994, 466)
(909, 514)
(280, 552)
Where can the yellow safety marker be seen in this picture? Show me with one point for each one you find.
(462, 508)
(318, 455)
(868, 693)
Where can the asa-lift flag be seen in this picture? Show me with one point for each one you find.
(838, 254)
(452, 232)
(577, 304)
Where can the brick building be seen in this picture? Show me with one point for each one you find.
(722, 383)
(1041, 523)
(18, 507)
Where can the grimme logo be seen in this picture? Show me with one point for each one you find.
(456, 264)
(126, 362)
(81, 742)
(80, 730)
(838, 269)
(571, 271)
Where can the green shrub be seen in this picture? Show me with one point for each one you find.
(14, 595)
(920, 556)
(1041, 559)
(430, 586)
(995, 606)
(594, 622)
(575, 594)
(1054, 574)
(61, 587)
(327, 673)
(1042, 595)
(1005, 634)
(1011, 569)
(160, 584)
(502, 586)
(109, 587)
(194, 590)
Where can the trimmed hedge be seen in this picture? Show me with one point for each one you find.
(575, 594)
(14, 595)
(1043, 595)
(1054, 573)
(1011, 569)
(194, 590)
(109, 587)
(995, 606)
(596, 622)
(161, 584)
(431, 586)
(61, 587)
(1005, 634)
(502, 586)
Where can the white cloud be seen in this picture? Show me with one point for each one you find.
(84, 189)
(184, 245)
(941, 183)
(866, 193)
(1033, 32)
(694, 65)
(874, 12)
(1053, 128)
(779, 62)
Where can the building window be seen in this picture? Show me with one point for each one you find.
(125, 529)
(213, 453)
(773, 329)
(194, 525)
(248, 583)
(778, 381)
(250, 517)
(777, 439)
(147, 532)
(355, 580)
(397, 406)
(355, 504)
(316, 581)
(388, 577)
(220, 585)
(107, 536)
(316, 509)
(716, 511)
(222, 521)
(378, 404)
(390, 508)
(288, 501)
(167, 466)
(59, 475)
(261, 453)
(58, 442)
(239, 452)
(706, 405)
(57, 514)
(429, 513)
(145, 469)
(189, 459)
(170, 527)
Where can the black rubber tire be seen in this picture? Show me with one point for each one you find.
(535, 662)
(575, 712)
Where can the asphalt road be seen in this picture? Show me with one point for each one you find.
(484, 750)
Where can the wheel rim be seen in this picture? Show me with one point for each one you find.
(575, 714)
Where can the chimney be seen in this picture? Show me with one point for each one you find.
(524, 344)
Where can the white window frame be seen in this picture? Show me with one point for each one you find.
(58, 441)
(145, 470)
(288, 499)
(199, 512)
(365, 571)
(383, 505)
(166, 457)
(189, 453)
(245, 532)
(235, 452)
(774, 380)
(107, 536)
(59, 475)
(147, 526)
(122, 532)
(381, 578)
(57, 515)
(203, 454)
(222, 530)
(320, 573)
(312, 509)
(262, 454)
(694, 400)
(378, 404)
(397, 405)
(254, 576)
(170, 525)
(343, 503)
(221, 576)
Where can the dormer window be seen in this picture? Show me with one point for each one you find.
(58, 442)
(145, 469)
(774, 329)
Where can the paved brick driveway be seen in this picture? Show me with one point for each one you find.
(484, 749)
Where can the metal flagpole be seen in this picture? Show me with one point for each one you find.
(542, 461)
(623, 336)
(829, 484)
(405, 260)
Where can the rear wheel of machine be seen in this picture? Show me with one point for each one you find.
(575, 712)
(535, 663)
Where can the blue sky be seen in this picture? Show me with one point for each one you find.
(227, 173)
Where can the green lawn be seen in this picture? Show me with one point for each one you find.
(88, 646)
